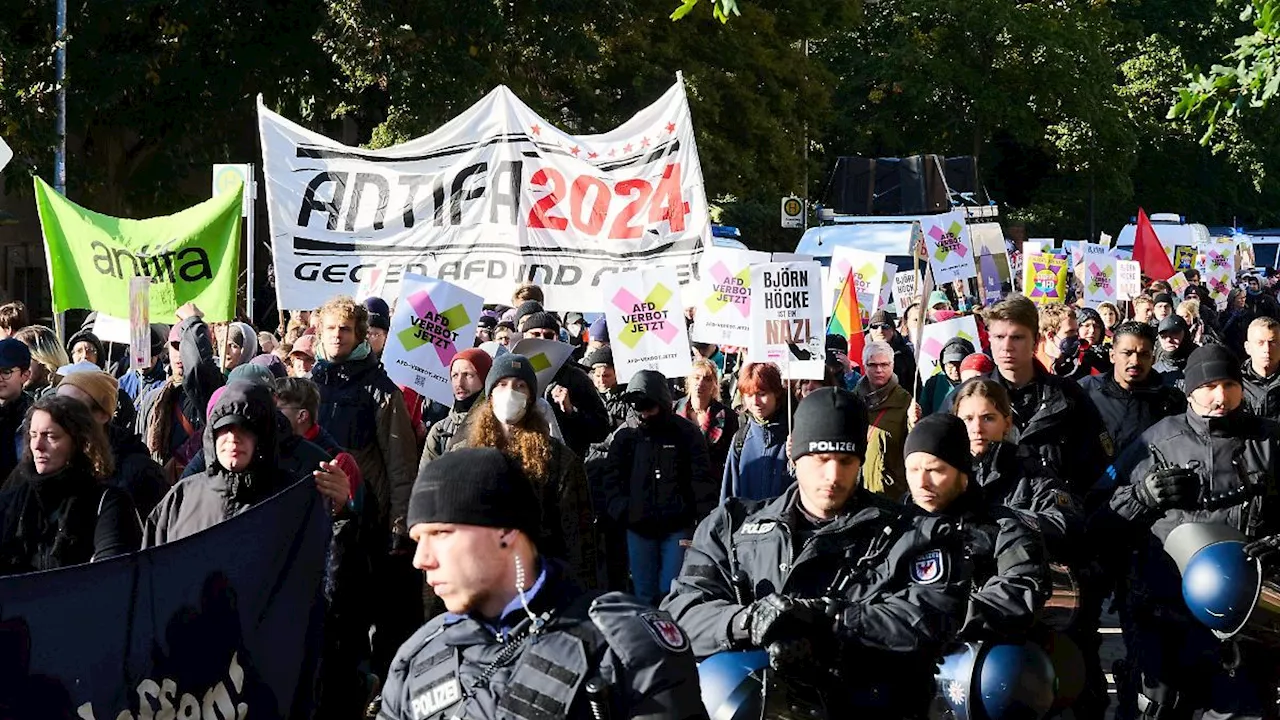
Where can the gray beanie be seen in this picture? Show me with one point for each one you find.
(513, 366)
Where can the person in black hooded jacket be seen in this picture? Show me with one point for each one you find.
(240, 444)
(657, 484)
(58, 511)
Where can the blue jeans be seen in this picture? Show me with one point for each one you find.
(655, 563)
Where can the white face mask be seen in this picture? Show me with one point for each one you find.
(509, 405)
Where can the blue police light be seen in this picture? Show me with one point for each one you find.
(725, 231)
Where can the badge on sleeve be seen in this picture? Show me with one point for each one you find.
(668, 634)
(928, 568)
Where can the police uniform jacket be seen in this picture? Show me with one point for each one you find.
(899, 580)
(1126, 413)
(1236, 456)
(458, 665)
(1011, 478)
(1010, 580)
(1056, 418)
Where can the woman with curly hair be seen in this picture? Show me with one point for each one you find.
(58, 510)
(507, 419)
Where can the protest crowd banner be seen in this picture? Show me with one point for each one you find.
(496, 196)
(190, 256)
(1044, 278)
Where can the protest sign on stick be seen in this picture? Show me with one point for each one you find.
(786, 319)
(646, 323)
(951, 256)
(1044, 278)
(433, 321)
(722, 296)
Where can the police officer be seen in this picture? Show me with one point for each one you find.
(1011, 574)
(851, 597)
(1215, 463)
(519, 640)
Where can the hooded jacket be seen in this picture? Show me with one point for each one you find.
(62, 519)
(657, 478)
(1173, 365)
(589, 421)
(216, 494)
(166, 412)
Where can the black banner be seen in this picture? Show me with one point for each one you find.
(222, 625)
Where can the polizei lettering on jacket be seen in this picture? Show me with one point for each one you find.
(786, 290)
(644, 317)
(434, 329)
(188, 265)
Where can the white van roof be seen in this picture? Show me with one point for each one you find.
(1170, 228)
(891, 235)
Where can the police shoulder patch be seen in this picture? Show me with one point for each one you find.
(928, 567)
(665, 631)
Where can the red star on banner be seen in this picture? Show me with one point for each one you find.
(626, 148)
(671, 127)
(591, 156)
(536, 129)
(611, 153)
(574, 151)
(644, 142)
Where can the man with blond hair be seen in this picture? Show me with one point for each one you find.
(366, 415)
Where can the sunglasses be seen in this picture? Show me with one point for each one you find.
(881, 326)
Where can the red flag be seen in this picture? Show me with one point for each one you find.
(1148, 251)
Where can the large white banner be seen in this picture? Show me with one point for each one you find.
(646, 323)
(433, 321)
(495, 197)
(722, 296)
(787, 325)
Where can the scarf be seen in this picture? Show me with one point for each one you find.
(361, 352)
(875, 398)
(712, 425)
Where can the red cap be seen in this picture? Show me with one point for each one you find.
(979, 362)
(305, 345)
(480, 359)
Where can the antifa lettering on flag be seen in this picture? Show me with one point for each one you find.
(495, 197)
(225, 624)
(190, 256)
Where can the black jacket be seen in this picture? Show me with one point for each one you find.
(12, 415)
(1013, 478)
(589, 421)
(1261, 395)
(1056, 418)
(1237, 456)
(1010, 569)
(1173, 365)
(63, 519)
(1127, 413)
(366, 414)
(464, 666)
(616, 407)
(657, 478)
(905, 580)
(136, 473)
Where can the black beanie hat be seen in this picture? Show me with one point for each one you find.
(600, 356)
(528, 307)
(542, 320)
(945, 437)
(1211, 363)
(514, 366)
(829, 420)
(379, 313)
(837, 342)
(1162, 298)
(475, 486)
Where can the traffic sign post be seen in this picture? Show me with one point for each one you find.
(225, 177)
(792, 212)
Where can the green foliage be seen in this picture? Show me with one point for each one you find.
(722, 9)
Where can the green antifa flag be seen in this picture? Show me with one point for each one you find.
(190, 256)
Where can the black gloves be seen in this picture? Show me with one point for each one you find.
(773, 616)
(1169, 487)
(1265, 549)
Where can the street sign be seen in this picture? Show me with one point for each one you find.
(225, 176)
(5, 154)
(792, 212)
